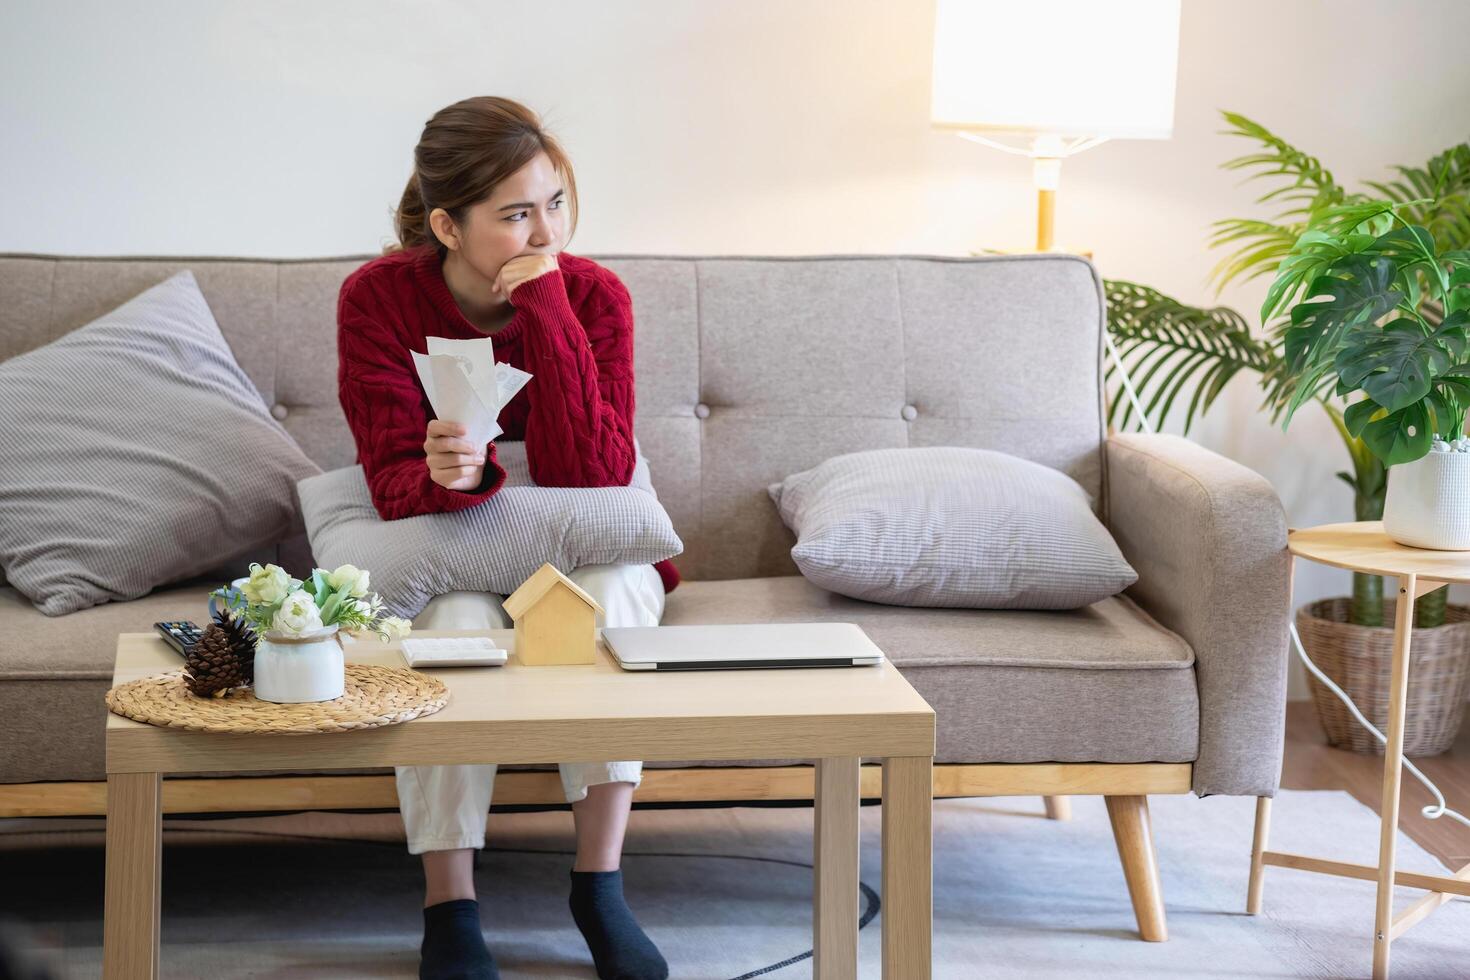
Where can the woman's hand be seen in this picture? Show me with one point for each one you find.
(520, 269)
(453, 463)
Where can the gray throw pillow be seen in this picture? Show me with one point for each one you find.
(135, 452)
(493, 546)
(950, 526)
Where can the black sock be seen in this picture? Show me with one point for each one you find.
(454, 947)
(619, 947)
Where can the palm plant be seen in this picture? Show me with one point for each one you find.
(1171, 348)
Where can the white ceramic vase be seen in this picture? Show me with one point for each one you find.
(1428, 502)
(293, 669)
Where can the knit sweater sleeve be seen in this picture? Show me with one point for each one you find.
(388, 414)
(579, 431)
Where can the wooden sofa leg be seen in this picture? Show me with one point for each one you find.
(1258, 847)
(1134, 835)
(1058, 807)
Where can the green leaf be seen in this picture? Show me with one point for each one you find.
(1359, 291)
(1358, 216)
(1458, 384)
(1165, 343)
(1455, 371)
(1459, 290)
(1359, 414)
(1395, 366)
(1400, 437)
(338, 601)
(1412, 241)
(1442, 419)
(1436, 195)
(1306, 188)
(318, 587)
(1454, 332)
(1310, 257)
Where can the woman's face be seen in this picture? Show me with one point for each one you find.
(526, 215)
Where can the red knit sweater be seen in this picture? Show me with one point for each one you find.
(571, 328)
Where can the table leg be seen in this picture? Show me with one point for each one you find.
(835, 888)
(131, 908)
(908, 862)
(1393, 760)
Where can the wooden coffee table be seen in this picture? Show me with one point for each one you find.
(518, 714)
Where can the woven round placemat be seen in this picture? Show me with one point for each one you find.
(374, 696)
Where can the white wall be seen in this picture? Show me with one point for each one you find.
(720, 126)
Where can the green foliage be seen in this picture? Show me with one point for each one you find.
(1398, 365)
(1409, 367)
(1308, 189)
(1179, 354)
(1165, 344)
(1439, 192)
(1317, 223)
(343, 607)
(1308, 259)
(1358, 290)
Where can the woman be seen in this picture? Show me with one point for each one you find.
(482, 227)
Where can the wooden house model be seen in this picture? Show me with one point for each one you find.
(555, 620)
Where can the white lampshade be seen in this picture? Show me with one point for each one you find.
(1063, 67)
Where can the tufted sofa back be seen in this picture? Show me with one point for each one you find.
(748, 368)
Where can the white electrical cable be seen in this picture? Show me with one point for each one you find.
(1127, 383)
(1433, 811)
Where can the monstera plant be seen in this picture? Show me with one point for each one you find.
(1342, 261)
(1411, 368)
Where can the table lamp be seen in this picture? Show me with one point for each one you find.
(1067, 74)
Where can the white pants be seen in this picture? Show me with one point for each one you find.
(445, 807)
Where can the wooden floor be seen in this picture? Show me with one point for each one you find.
(1311, 764)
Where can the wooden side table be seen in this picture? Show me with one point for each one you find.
(515, 713)
(1362, 546)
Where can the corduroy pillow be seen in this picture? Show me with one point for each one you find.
(950, 526)
(493, 546)
(135, 452)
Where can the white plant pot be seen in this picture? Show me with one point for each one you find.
(1428, 502)
(290, 670)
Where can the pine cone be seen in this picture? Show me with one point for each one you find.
(242, 639)
(223, 658)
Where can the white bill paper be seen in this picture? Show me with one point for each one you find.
(465, 384)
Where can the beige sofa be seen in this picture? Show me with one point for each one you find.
(750, 369)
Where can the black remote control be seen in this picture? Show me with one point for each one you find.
(181, 634)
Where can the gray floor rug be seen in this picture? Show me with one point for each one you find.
(726, 893)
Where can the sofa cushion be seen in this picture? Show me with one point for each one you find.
(55, 669)
(137, 453)
(1111, 635)
(493, 546)
(949, 526)
(1101, 684)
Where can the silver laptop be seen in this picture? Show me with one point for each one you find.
(742, 646)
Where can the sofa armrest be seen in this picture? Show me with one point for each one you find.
(1207, 537)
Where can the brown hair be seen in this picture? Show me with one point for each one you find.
(466, 149)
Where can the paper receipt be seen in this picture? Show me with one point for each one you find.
(465, 384)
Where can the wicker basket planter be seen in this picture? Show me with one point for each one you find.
(1359, 658)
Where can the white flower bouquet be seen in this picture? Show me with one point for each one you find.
(275, 603)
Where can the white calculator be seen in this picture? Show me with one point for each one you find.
(452, 651)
